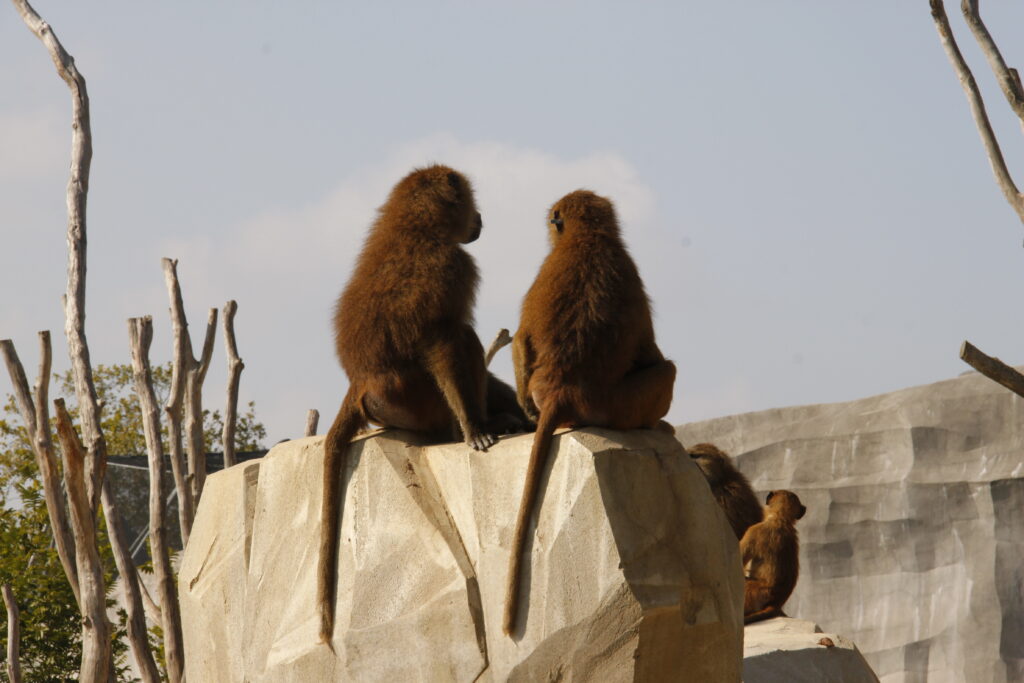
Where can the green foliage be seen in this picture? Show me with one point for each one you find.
(50, 622)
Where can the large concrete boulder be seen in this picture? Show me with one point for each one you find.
(913, 542)
(784, 650)
(634, 574)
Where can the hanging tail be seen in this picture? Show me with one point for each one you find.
(546, 426)
(349, 421)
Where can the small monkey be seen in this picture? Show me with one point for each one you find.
(730, 488)
(584, 354)
(770, 552)
(404, 335)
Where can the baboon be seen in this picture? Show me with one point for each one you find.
(770, 552)
(584, 353)
(404, 336)
(730, 488)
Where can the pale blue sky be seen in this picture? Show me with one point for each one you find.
(800, 183)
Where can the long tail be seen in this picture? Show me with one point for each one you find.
(538, 456)
(350, 419)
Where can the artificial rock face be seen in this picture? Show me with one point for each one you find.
(633, 572)
(913, 541)
(783, 650)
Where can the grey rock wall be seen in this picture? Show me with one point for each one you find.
(784, 650)
(913, 542)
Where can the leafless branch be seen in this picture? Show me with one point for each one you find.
(195, 446)
(993, 368)
(138, 638)
(175, 399)
(501, 340)
(95, 627)
(74, 299)
(235, 367)
(153, 610)
(312, 420)
(140, 333)
(970, 86)
(13, 635)
(1009, 80)
(37, 421)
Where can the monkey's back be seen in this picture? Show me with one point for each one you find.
(740, 505)
(773, 551)
(587, 311)
(406, 286)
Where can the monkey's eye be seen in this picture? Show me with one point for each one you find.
(556, 220)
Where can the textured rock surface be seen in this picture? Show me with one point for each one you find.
(795, 651)
(634, 573)
(913, 542)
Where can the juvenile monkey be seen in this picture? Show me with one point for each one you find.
(584, 353)
(770, 552)
(404, 335)
(730, 488)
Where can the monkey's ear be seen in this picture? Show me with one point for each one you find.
(556, 220)
(803, 509)
(451, 191)
(769, 498)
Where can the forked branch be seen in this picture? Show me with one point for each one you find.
(977, 104)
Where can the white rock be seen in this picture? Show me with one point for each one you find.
(913, 542)
(786, 650)
(634, 573)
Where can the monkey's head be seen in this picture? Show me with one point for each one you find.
(581, 211)
(712, 462)
(438, 199)
(785, 504)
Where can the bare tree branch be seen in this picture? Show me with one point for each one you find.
(235, 367)
(138, 638)
(13, 635)
(140, 333)
(196, 447)
(153, 610)
(501, 340)
(312, 420)
(37, 421)
(970, 86)
(1009, 80)
(96, 657)
(993, 368)
(175, 399)
(74, 299)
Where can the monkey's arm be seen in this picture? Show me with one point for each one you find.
(522, 361)
(456, 362)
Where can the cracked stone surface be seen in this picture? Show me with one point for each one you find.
(913, 542)
(784, 650)
(633, 574)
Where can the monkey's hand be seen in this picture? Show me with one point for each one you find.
(480, 441)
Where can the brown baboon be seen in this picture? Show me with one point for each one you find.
(404, 336)
(730, 488)
(584, 353)
(770, 552)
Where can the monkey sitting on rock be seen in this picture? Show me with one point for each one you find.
(729, 487)
(770, 553)
(404, 336)
(584, 353)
